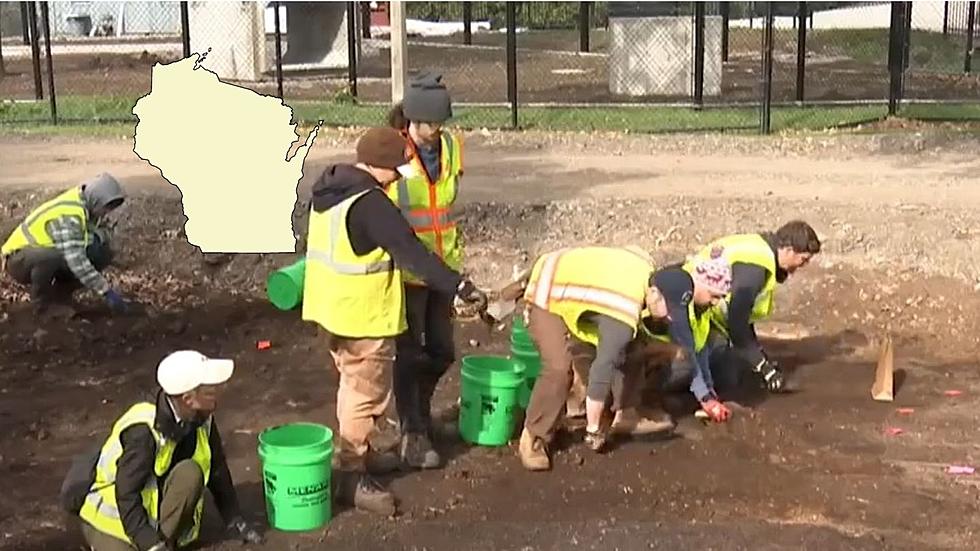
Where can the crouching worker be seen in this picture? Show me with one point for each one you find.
(59, 248)
(577, 299)
(686, 293)
(358, 243)
(144, 488)
(760, 262)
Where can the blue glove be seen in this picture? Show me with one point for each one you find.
(116, 302)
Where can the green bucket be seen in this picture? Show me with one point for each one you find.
(490, 392)
(296, 475)
(285, 285)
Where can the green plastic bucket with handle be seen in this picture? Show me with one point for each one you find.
(284, 287)
(522, 349)
(296, 475)
(489, 399)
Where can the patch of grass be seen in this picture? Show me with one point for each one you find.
(111, 117)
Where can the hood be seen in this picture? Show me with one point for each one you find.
(101, 191)
(337, 183)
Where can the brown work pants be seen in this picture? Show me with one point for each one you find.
(365, 367)
(181, 491)
(562, 355)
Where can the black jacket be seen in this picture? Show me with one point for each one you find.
(374, 221)
(747, 282)
(136, 465)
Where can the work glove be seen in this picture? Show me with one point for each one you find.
(115, 301)
(468, 293)
(716, 410)
(773, 378)
(240, 530)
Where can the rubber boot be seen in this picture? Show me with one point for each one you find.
(364, 493)
(416, 451)
(533, 452)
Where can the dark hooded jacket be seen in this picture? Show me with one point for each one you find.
(374, 221)
(747, 282)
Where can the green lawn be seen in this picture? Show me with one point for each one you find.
(108, 116)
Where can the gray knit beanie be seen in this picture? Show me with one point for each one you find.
(427, 100)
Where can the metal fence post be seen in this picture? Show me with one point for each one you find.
(45, 21)
(351, 49)
(895, 62)
(946, 18)
(467, 23)
(726, 10)
(801, 52)
(767, 47)
(278, 31)
(365, 19)
(699, 53)
(971, 21)
(583, 26)
(185, 29)
(512, 61)
(24, 28)
(907, 38)
(35, 51)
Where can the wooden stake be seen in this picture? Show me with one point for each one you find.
(399, 47)
(883, 389)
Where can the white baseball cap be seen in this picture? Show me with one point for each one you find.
(185, 370)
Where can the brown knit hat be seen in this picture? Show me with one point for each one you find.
(382, 148)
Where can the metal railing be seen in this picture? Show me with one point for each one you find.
(649, 67)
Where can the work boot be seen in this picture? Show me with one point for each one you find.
(533, 452)
(630, 421)
(416, 451)
(364, 493)
(379, 463)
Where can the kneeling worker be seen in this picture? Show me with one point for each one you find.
(146, 490)
(58, 247)
(759, 262)
(358, 243)
(595, 296)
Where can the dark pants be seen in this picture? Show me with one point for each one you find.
(46, 272)
(424, 354)
(727, 367)
(181, 491)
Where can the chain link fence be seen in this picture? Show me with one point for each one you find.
(636, 66)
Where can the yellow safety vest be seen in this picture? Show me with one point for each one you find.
(428, 205)
(750, 248)
(350, 295)
(100, 509)
(605, 280)
(32, 232)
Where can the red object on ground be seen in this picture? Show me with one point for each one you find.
(263, 345)
(894, 431)
(953, 393)
(905, 411)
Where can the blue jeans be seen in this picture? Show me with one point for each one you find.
(726, 367)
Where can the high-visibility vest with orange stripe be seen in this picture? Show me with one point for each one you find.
(606, 280)
(428, 205)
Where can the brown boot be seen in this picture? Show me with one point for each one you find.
(363, 493)
(630, 421)
(533, 452)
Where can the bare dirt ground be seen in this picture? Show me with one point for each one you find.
(810, 470)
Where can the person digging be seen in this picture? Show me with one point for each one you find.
(577, 298)
(358, 243)
(59, 247)
(143, 488)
